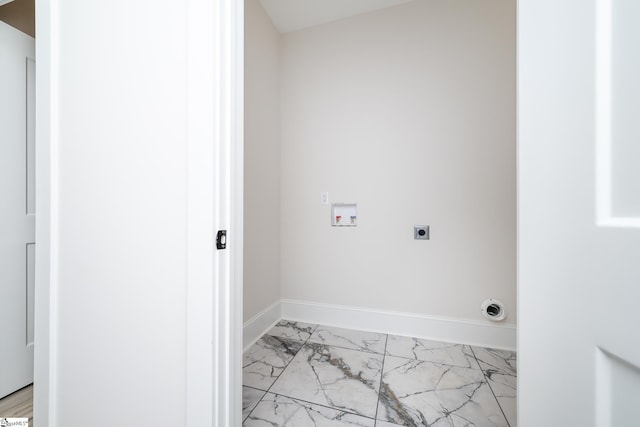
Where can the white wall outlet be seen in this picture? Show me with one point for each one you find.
(324, 198)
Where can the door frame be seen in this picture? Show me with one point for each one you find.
(219, 319)
(215, 201)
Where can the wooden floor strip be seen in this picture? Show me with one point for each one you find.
(18, 405)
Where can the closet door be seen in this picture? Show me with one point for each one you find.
(579, 213)
(17, 208)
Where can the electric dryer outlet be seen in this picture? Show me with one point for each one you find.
(421, 232)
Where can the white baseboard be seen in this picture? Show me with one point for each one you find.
(255, 327)
(477, 333)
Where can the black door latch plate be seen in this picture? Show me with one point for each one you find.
(221, 239)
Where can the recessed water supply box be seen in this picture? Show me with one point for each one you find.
(344, 214)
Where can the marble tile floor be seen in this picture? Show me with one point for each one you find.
(300, 374)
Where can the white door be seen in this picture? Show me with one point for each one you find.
(17, 208)
(579, 213)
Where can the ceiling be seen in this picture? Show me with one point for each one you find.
(20, 14)
(293, 15)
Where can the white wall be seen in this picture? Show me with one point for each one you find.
(119, 214)
(410, 112)
(262, 161)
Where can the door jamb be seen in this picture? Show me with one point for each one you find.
(45, 311)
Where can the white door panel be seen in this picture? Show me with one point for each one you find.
(17, 208)
(31, 137)
(618, 103)
(579, 213)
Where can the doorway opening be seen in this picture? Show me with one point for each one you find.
(18, 207)
(362, 126)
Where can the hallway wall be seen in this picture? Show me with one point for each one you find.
(410, 112)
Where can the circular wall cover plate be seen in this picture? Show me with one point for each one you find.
(493, 310)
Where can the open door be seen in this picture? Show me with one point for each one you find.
(139, 150)
(17, 208)
(579, 213)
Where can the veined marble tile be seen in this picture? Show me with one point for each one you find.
(250, 398)
(496, 360)
(349, 338)
(266, 359)
(499, 367)
(344, 379)
(509, 406)
(431, 351)
(292, 330)
(380, 423)
(275, 410)
(419, 393)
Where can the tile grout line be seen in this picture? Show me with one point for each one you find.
(360, 350)
(490, 388)
(283, 369)
(256, 404)
(321, 405)
(268, 391)
(347, 348)
(384, 357)
(255, 388)
(317, 404)
(289, 362)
